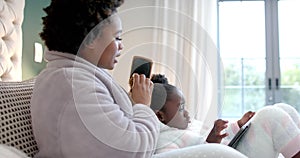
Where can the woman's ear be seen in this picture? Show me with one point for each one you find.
(160, 115)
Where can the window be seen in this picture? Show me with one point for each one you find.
(289, 33)
(256, 71)
(242, 51)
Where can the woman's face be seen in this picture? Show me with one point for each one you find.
(112, 35)
(174, 113)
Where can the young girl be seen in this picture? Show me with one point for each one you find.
(274, 129)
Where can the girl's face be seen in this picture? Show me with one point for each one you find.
(112, 34)
(174, 114)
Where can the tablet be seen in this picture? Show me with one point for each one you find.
(236, 139)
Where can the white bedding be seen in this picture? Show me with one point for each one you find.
(11, 152)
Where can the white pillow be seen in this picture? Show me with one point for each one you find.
(11, 152)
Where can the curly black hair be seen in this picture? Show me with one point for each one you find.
(68, 22)
(159, 78)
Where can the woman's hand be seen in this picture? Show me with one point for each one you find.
(215, 135)
(141, 89)
(246, 117)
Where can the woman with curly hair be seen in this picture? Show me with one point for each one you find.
(78, 110)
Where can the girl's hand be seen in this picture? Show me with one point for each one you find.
(246, 117)
(141, 89)
(215, 135)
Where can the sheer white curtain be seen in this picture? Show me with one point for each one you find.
(179, 35)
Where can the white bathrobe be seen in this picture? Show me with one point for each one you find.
(79, 111)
